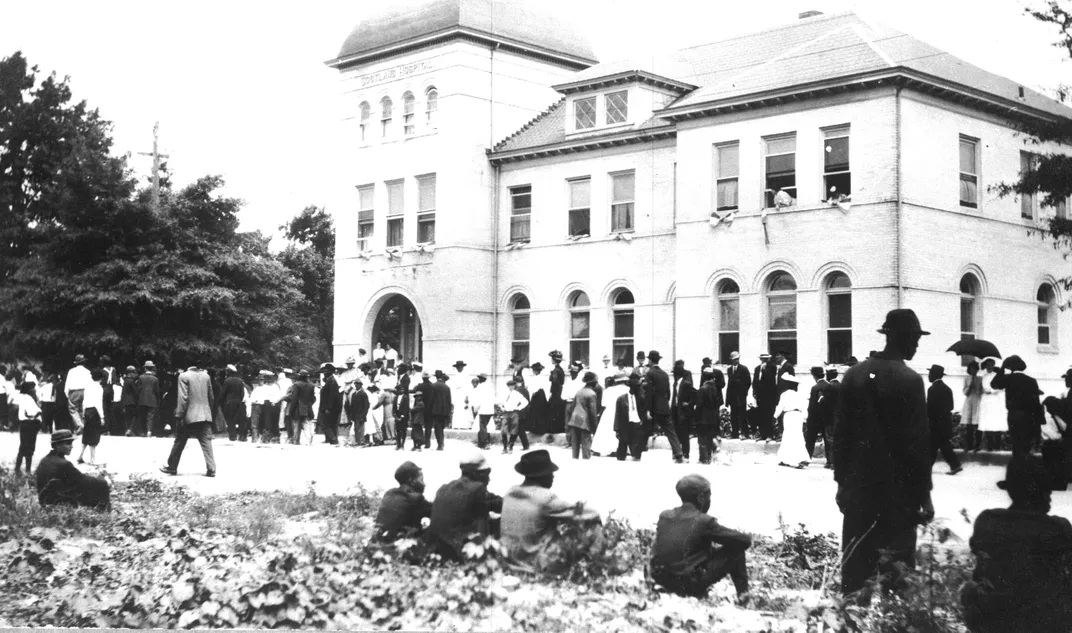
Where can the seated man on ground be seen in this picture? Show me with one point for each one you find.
(1023, 572)
(531, 512)
(59, 482)
(402, 508)
(692, 551)
(462, 508)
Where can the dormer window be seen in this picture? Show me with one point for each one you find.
(617, 106)
(584, 113)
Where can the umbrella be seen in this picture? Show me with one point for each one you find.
(975, 347)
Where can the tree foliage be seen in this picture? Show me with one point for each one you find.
(88, 267)
(310, 256)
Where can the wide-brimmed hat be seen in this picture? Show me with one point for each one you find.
(149, 365)
(536, 463)
(589, 377)
(440, 375)
(1014, 363)
(459, 364)
(654, 356)
(232, 368)
(902, 320)
(555, 354)
(327, 367)
(517, 360)
(764, 356)
(79, 359)
(1066, 374)
(59, 437)
(537, 366)
(937, 368)
(482, 377)
(606, 356)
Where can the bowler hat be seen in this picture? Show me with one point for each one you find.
(79, 359)
(1066, 374)
(459, 364)
(407, 472)
(654, 356)
(537, 366)
(937, 368)
(831, 372)
(440, 375)
(706, 360)
(482, 377)
(59, 437)
(679, 363)
(514, 360)
(535, 464)
(902, 320)
(327, 367)
(641, 355)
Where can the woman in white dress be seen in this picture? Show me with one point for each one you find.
(791, 407)
(993, 418)
(605, 441)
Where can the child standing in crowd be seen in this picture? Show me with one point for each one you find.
(46, 399)
(29, 424)
(92, 406)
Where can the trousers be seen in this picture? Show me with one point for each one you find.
(483, 438)
(74, 407)
(698, 582)
(945, 447)
(705, 440)
(738, 419)
(580, 442)
(662, 422)
(437, 423)
(147, 420)
(631, 442)
(27, 442)
(202, 431)
(416, 427)
(876, 540)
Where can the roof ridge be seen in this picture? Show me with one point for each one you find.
(825, 17)
(527, 126)
(788, 53)
(870, 41)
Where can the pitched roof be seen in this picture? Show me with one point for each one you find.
(548, 127)
(525, 23)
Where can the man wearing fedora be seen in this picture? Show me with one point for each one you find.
(657, 385)
(421, 422)
(402, 508)
(883, 459)
(300, 409)
(631, 420)
(1025, 413)
(59, 482)
(462, 507)
(439, 409)
(147, 392)
(78, 377)
(738, 382)
(231, 401)
(583, 417)
(682, 406)
(530, 513)
(765, 391)
(193, 415)
(940, 417)
(330, 406)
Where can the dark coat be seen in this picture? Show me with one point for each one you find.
(684, 537)
(708, 405)
(1021, 396)
(657, 384)
(738, 381)
(882, 444)
(940, 410)
(302, 395)
(402, 396)
(330, 401)
(765, 384)
(147, 390)
(357, 406)
(441, 400)
(786, 368)
(232, 391)
(59, 482)
(817, 409)
(401, 509)
(460, 508)
(683, 397)
(621, 413)
(129, 396)
(585, 410)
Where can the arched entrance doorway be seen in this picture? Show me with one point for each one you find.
(399, 325)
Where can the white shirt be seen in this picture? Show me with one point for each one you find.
(77, 378)
(790, 401)
(267, 391)
(482, 400)
(515, 401)
(29, 376)
(93, 398)
(572, 386)
(377, 354)
(28, 409)
(46, 392)
(391, 354)
(634, 416)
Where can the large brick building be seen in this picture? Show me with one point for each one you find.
(507, 195)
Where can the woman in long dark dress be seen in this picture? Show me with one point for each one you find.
(555, 403)
(539, 419)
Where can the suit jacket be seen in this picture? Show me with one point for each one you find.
(195, 397)
(233, 390)
(765, 384)
(330, 401)
(441, 399)
(940, 409)
(786, 368)
(709, 404)
(1021, 395)
(585, 410)
(817, 409)
(147, 390)
(402, 396)
(302, 394)
(658, 386)
(685, 538)
(738, 382)
(129, 397)
(357, 406)
(621, 412)
(683, 397)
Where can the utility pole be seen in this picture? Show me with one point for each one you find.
(156, 166)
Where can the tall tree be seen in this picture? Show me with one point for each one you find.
(310, 255)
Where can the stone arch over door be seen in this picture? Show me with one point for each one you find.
(393, 318)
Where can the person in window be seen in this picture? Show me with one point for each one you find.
(59, 482)
(969, 414)
(1025, 415)
(692, 551)
(402, 508)
(1023, 556)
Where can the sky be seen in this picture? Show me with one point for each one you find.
(240, 89)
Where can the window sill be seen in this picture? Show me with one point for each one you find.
(577, 238)
(1048, 349)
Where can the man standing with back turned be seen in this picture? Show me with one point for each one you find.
(882, 459)
(194, 418)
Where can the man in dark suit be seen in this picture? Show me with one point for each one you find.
(657, 384)
(940, 417)
(440, 408)
(357, 409)
(232, 395)
(765, 391)
(330, 405)
(833, 396)
(708, 413)
(738, 382)
(402, 508)
(1025, 412)
(817, 413)
(781, 361)
(682, 404)
(630, 418)
(147, 392)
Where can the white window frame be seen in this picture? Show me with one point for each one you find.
(578, 310)
(768, 294)
(1050, 324)
(622, 309)
(426, 214)
(517, 192)
(569, 193)
(769, 194)
(725, 175)
(724, 296)
(386, 113)
(365, 114)
(365, 216)
(624, 113)
(396, 217)
(515, 313)
(828, 292)
(431, 105)
(830, 133)
(409, 106)
(576, 113)
(1028, 201)
(630, 203)
(964, 176)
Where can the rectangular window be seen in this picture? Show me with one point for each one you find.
(395, 208)
(837, 179)
(623, 187)
(1043, 325)
(426, 206)
(969, 172)
(1062, 209)
(622, 345)
(839, 332)
(579, 322)
(727, 171)
(365, 197)
(408, 126)
(782, 324)
(780, 167)
(521, 213)
(580, 211)
(729, 337)
(584, 113)
(1027, 201)
(520, 345)
(617, 105)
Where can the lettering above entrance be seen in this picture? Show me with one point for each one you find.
(398, 72)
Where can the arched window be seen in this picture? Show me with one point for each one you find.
(519, 346)
(729, 320)
(622, 343)
(580, 315)
(1047, 315)
(385, 115)
(366, 113)
(409, 104)
(782, 314)
(969, 307)
(431, 100)
(838, 318)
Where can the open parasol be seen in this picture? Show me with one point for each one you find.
(977, 347)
